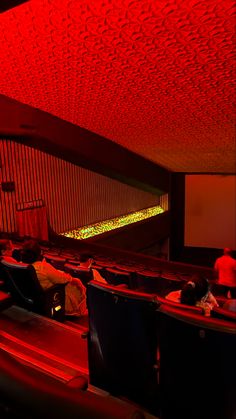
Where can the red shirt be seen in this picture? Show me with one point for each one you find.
(226, 268)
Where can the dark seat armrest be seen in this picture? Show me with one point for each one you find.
(53, 300)
(221, 313)
(55, 287)
(56, 293)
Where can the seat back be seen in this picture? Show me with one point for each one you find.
(22, 282)
(230, 305)
(122, 344)
(224, 313)
(115, 276)
(85, 275)
(217, 289)
(188, 308)
(157, 283)
(57, 261)
(197, 365)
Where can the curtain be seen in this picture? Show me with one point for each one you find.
(33, 223)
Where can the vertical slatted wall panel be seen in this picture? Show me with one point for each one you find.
(73, 196)
(164, 201)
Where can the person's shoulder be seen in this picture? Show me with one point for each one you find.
(174, 296)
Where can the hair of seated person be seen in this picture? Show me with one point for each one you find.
(31, 252)
(194, 290)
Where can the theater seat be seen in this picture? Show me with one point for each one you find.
(197, 365)
(122, 343)
(156, 282)
(224, 313)
(57, 261)
(85, 275)
(116, 277)
(22, 282)
(188, 308)
(27, 393)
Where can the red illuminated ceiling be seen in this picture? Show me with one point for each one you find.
(155, 76)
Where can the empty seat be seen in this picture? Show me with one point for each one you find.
(156, 282)
(224, 313)
(57, 261)
(22, 282)
(230, 305)
(173, 282)
(74, 261)
(122, 343)
(148, 281)
(197, 365)
(85, 275)
(116, 276)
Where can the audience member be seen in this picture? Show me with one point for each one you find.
(195, 293)
(86, 261)
(75, 301)
(225, 268)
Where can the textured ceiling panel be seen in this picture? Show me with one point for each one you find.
(157, 76)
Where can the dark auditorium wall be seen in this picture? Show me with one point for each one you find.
(74, 196)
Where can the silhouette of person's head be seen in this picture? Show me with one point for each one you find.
(227, 251)
(194, 290)
(31, 252)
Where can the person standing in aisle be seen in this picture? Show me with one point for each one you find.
(225, 268)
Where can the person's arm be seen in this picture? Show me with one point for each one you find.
(211, 299)
(54, 275)
(98, 277)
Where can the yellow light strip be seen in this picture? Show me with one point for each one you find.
(108, 225)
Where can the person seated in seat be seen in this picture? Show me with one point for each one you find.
(86, 261)
(75, 292)
(195, 293)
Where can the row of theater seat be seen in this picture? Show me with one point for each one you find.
(151, 351)
(22, 282)
(170, 358)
